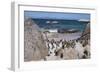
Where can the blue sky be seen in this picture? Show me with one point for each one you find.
(56, 15)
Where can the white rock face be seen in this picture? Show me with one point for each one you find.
(34, 45)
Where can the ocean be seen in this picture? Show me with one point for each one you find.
(60, 24)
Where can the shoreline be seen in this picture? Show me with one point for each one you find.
(60, 36)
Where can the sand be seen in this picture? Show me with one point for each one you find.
(59, 36)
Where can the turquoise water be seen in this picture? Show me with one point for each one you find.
(60, 24)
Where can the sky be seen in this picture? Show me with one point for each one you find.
(56, 15)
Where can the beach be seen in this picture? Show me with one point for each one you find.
(59, 36)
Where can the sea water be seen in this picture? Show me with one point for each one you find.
(60, 24)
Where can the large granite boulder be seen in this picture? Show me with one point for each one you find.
(34, 44)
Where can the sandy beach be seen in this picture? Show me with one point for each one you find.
(59, 36)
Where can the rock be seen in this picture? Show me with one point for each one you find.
(70, 54)
(34, 44)
(86, 33)
(87, 29)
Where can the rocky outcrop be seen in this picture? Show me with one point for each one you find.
(34, 44)
(85, 37)
(86, 33)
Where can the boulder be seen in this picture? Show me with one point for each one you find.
(86, 32)
(34, 44)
